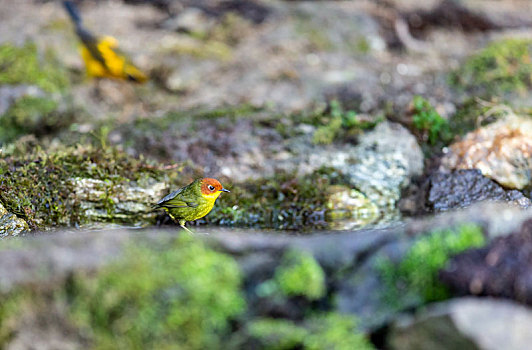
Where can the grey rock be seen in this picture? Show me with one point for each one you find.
(502, 268)
(131, 201)
(461, 188)
(467, 323)
(383, 163)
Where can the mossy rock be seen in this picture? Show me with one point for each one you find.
(286, 201)
(416, 275)
(346, 205)
(321, 331)
(64, 187)
(300, 275)
(156, 295)
(336, 123)
(502, 67)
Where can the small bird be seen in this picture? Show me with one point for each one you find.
(101, 55)
(191, 202)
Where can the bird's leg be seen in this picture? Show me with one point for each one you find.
(182, 224)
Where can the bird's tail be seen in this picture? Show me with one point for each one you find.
(73, 12)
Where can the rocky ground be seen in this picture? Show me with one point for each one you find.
(364, 117)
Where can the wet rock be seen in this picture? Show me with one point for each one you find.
(465, 324)
(462, 188)
(10, 224)
(502, 151)
(501, 269)
(383, 163)
(348, 209)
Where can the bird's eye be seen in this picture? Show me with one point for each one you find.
(211, 187)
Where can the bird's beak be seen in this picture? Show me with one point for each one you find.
(225, 190)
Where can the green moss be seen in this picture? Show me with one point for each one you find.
(503, 66)
(467, 117)
(327, 133)
(24, 65)
(39, 186)
(179, 296)
(335, 331)
(417, 273)
(339, 124)
(283, 202)
(475, 113)
(322, 331)
(300, 274)
(277, 333)
(433, 128)
(156, 295)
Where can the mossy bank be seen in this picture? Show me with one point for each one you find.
(73, 186)
(168, 292)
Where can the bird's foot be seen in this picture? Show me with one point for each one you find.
(186, 229)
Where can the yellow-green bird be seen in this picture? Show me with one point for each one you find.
(101, 55)
(193, 201)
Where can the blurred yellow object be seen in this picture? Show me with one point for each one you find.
(109, 62)
(101, 55)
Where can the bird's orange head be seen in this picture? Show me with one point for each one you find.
(211, 188)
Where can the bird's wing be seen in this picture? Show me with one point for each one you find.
(173, 200)
(91, 43)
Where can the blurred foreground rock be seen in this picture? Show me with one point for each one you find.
(465, 324)
(501, 269)
(272, 277)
